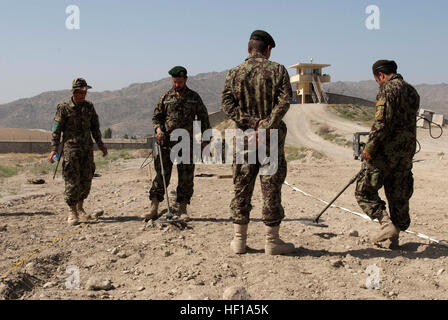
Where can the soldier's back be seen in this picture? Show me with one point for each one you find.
(402, 125)
(255, 84)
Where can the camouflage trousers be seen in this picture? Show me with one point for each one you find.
(78, 168)
(244, 177)
(398, 185)
(185, 173)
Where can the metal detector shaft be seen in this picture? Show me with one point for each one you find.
(159, 151)
(316, 220)
(59, 160)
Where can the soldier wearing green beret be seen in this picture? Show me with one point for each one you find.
(77, 121)
(388, 154)
(257, 94)
(176, 109)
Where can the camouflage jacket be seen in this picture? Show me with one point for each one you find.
(77, 123)
(255, 90)
(394, 131)
(178, 112)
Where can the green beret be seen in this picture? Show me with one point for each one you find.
(263, 36)
(385, 66)
(178, 71)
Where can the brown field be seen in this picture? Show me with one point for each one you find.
(19, 134)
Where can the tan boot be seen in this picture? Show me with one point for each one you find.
(388, 231)
(274, 245)
(73, 216)
(238, 244)
(153, 211)
(182, 211)
(83, 216)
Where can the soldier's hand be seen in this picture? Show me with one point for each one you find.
(260, 123)
(104, 150)
(159, 135)
(203, 145)
(50, 157)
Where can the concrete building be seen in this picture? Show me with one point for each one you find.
(438, 119)
(308, 83)
(426, 114)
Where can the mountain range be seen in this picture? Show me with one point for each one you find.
(433, 97)
(125, 111)
(129, 110)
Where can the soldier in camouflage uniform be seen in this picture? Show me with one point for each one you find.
(176, 109)
(257, 94)
(77, 121)
(388, 154)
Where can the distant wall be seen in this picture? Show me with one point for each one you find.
(334, 98)
(44, 147)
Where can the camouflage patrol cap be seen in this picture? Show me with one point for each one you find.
(385, 66)
(263, 36)
(80, 84)
(178, 71)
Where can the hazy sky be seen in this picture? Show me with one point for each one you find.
(125, 42)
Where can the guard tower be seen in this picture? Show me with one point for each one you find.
(308, 80)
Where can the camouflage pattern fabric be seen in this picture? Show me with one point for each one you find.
(244, 176)
(255, 90)
(77, 124)
(177, 112)
(174, 112)
(78, 169)
(391, 143)
(185, 173)
(258, 89)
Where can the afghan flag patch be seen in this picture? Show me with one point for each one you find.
(379, 114)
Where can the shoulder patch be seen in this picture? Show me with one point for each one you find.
(380, 103)
(379, 114)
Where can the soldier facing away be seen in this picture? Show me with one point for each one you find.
(176, 109)
(388, 154)
(257, 94)
(77, 121)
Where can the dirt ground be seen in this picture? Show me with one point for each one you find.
(155, 260)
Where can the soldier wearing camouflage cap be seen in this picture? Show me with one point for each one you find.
(388, 154)
(257, 94)
(176, 109)
(77, 121)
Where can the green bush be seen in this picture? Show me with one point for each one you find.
(354, 112)
(107, 133)
(6, 172)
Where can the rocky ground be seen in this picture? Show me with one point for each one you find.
(121, 257)
(128, 259)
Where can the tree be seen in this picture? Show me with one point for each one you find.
(107, 133)
(126, 136)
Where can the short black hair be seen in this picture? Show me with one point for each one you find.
(258, 45)
(384, 66)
